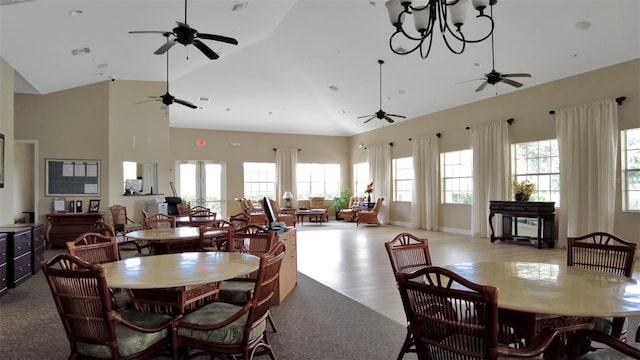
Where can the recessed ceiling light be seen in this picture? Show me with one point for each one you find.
(402, 92)
(102, 66)
(583, 25)
(76, 12)
(204, 99)
(334, 88)
(477, 65)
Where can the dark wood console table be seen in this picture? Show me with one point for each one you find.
(63, 227)
(544, 212)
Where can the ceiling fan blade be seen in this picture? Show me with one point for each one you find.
(221, 38)
(390, 120)
(400, 116)
(466, 81)
(364, 116)
(205, 49)
(512, 83)
(147, 32)
(146, 101)
(185, 103)
(369, 119)
(165, 47)
(516, 75)
(482, 86)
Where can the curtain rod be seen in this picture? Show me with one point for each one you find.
(390, 144)
(437, 134)
(274, 149)
(509, 121)
(619, 100)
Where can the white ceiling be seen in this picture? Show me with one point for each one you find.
(290, 52)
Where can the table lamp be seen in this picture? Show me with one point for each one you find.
(287, 196)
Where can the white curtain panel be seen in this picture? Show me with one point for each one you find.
(587, 143)
(379, 158)
(490, 145)
(426, 169)
(286, 161)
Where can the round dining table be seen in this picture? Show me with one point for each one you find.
(194, 220)
(178, 270)
(555, 288)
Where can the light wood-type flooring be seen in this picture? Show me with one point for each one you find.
(353, 260)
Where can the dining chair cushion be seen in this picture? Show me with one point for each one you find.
(604, 324)
(129, 341)
(608, 354)
(214, 313)
(236, 292)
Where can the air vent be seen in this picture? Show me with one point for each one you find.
(81, 51)
(334, 88)
(239, 6)
(204, 99)
(7, 2)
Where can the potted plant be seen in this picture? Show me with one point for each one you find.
(522, 190)
(341, 201)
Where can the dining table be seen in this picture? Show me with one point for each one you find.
(182, 221)
(174, 283)
(168, 240)
(533, 295)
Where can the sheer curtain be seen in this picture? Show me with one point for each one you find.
(587, 142)
(286, 161)
(490, 145)
(379, 158)
(426, 169)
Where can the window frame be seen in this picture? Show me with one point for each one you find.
(267, 184)
(400, 191)
(330, 182)
(458, 167)
(630, 166)
(521, 157)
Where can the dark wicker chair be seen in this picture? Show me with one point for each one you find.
(160, 221)
(96, 248)
(255, 240)
(605, 252)
(122, 224)
(453, 318)
(408, 253)
(223, 330)
(94, 329)
(216, 235)
(616, 349)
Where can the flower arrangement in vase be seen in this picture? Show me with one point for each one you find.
(368, 191)
(522, 190)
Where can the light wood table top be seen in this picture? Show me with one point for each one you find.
(165, 235)
(194, 221)
(555, 289)
(176, 270)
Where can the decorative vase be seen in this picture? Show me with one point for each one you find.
(521, 197)
(368, 198)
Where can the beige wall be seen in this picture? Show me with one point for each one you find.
(530, 108)
(24, 195)
(7, 128)
(99, 122)
(256, 147)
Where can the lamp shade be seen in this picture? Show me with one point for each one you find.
(287, 195)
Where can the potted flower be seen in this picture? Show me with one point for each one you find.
(341, 201)
(368, 191)
(522, 190)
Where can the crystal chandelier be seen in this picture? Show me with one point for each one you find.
(448, 16)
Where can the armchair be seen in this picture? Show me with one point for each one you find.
(370, 216)
(317, 202)
(351, 211)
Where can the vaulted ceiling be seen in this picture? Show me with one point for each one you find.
(306, 66)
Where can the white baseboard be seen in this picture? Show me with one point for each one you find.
(455, 231)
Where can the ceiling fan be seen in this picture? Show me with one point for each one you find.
(168, 99)
(381, 114)
(186, 35)
(495, 77)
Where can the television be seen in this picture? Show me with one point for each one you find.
(271, 215)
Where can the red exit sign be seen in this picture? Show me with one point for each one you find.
(200, 142)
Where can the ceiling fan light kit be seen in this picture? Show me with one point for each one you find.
(447, 16)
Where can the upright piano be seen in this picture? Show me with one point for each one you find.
(544, 212)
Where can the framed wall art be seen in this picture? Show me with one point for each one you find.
(72, 177)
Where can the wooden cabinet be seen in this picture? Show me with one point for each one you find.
(3, 264)
(18, 254)
(288, 278)
(62, 227)
(542, 212)
(38, 242)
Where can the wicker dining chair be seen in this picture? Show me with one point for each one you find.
(608, 253)
(94, 329)
(160, 221)
(216, 235)
(454, 318)
(408, 253)
(206, 330)
(370, 216)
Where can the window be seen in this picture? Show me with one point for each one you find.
(631, 169)
(202, 183)
(538, 162)
(457, 182)
(318, 180)
(402, 179)
(360, 178)
(259, 180)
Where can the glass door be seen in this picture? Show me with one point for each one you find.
(202, 183)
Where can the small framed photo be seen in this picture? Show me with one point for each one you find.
(59, 205)
(94, 206)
